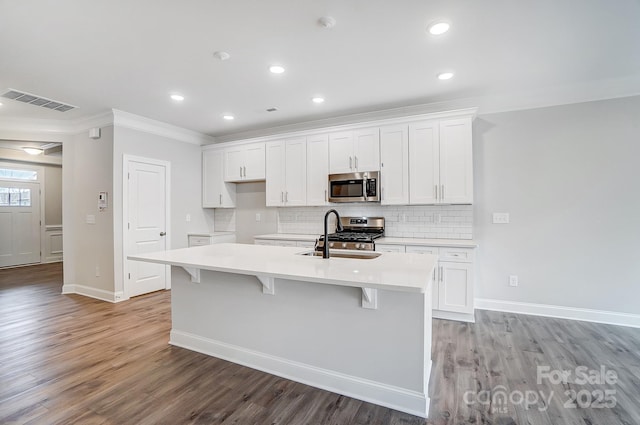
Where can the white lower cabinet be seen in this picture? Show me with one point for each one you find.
(200, 239)
(389, 248)
(452, 281)
(285, 242)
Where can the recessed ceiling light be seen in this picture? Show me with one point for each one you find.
(438, 28)
(220, 55)
(177, 97)
(276, 69)
(32, 151)
(318, 99)
(445, 75)
(229, 117)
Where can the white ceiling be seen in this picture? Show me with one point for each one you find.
(131, 55)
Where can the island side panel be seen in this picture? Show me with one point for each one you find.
(322, 326)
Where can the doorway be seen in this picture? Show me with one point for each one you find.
(146, 218)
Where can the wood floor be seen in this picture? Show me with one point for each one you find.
(67, 359)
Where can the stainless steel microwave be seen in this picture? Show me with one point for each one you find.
(355, 187)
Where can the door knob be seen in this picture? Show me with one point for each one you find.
(163, 233)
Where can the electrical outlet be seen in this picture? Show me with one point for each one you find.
(188, 218)
(513, 280)
(500, 218)
(97, 271)
(257, 216)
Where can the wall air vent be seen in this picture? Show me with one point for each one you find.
(272, 109)
(32, 99)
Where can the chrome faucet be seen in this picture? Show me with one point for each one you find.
(325, 247)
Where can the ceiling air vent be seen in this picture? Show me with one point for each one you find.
(272, 109)
(32, 99)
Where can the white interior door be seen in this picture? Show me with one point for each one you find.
(147, 225)
(19, 223)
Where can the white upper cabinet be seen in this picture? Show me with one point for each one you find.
(215, 192)
(424, 165)
(441, 162)
(245, 162)
(456, 162)
(317, 169)
(394, 165)
(286, 172)
(351, 151)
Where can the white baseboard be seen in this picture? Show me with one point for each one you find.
(412, 402)
(460, 317)
(99, 294)
(561, 312)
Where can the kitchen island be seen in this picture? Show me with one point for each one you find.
(358, 327)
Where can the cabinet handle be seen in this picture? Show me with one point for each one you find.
(350, 163)
(245, 171)
(441, 273)
(240, 171)
(221, 199)
(356, 162)
(325, 196)
(286, 197)
(442, 192)
(282, 197)
(436, 188)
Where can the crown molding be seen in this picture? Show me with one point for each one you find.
(159, 128)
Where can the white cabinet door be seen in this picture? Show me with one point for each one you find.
(233, 163)
(456, 163)
(295, 164)
(215, 192)
(431, 250)
(455, 288)
(317, 169)
(275, 173)
(394, 165)
(254, 162)
(366, 149)
(341, 152)
(424, 172)
(245, 163)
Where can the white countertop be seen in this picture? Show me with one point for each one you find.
(458, 243)
(390, 271)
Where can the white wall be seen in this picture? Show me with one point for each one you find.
(186, 184)
(88, 170)
(570, 178)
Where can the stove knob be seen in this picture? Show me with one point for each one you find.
(360, 246)
(330, 244)
(344, 244)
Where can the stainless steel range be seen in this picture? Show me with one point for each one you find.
(357, 233)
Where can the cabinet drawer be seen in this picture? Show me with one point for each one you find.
(199, 240)
(418, 249)
(459, 255)
(389, 248)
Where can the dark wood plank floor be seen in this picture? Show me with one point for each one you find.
(67, 359)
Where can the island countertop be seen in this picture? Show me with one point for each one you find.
(389, 271)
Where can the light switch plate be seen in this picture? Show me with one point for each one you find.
(500, 218)
(91, 219)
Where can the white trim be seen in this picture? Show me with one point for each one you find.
(87, 291)
(561, 312)
(48, 254)
(60, 127)
(354, 122)
(448, 315)
(408, 401)
(126, 158)
(147, 125)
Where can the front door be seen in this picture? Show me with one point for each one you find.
(19, 223)
(147, 225)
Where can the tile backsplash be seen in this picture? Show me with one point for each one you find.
(443, 222)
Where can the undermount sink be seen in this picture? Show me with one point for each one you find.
(354, 255)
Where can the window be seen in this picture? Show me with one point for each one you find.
(15, 197)
(10, 173)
